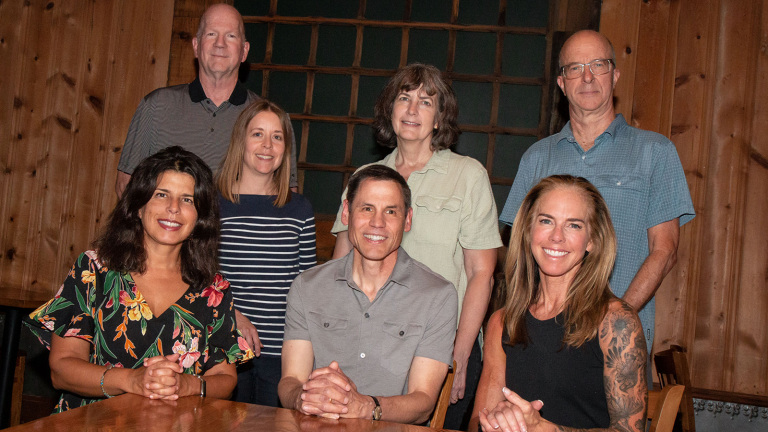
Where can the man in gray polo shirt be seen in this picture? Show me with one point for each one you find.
(369, 335)
(198, 116)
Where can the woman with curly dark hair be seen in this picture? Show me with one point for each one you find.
(455, 225)
(145, 312)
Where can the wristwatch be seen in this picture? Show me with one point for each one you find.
(202, 384)
(376, 414)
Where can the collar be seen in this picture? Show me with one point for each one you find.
(197, 94)
(399, 274)
(438, 161)
(567, 133)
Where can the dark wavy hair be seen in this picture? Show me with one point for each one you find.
(381, 173)
(120, 245)
(410, 78)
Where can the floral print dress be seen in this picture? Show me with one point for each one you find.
(105, 308)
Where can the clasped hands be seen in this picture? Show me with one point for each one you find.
(161, 377)
(330, 393)
(514, 414)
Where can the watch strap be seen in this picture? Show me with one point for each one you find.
(376, 414)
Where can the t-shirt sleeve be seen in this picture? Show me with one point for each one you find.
(296, 327)
(523, 183)
(307, 244)
(141, 135)
(338, 226)
(669, 194)
(68, 313)
(225, 344)
(479, 219)
(437, 343)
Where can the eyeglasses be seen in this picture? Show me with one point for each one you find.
(597, 67)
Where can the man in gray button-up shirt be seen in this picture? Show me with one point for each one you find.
(369, 335)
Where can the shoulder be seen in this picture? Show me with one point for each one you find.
(620, 323)
(301, 204)
(167, 93)
(646, 137)
(425, 279)
(89, 258)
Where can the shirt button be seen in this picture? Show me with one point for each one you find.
(583, 157)
(214, 114)
(326, 325)
(402, 332)
(362, 355)
(366, 315)
(618, 183)
(211, 129)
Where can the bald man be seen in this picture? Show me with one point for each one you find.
(638, 172)
(198, 116)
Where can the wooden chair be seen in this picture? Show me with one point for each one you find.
(438, 417)
(663, 407)
(672, 368)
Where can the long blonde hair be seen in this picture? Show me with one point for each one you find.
(231, 170)
(588, 295)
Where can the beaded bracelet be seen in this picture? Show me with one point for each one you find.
(102, 381)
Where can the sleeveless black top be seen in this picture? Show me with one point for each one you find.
(568, 380)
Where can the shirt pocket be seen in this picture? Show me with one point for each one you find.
(625, 194)
(437, 219)
(329, 334)
(398, 346)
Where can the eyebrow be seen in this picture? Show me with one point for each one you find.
(567, 219)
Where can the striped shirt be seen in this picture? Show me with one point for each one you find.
(263, 248)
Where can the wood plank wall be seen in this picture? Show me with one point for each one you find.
(73, 72)
(697, 72)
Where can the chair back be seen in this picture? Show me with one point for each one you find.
(663, 407)
(438, 416)
(672, 368)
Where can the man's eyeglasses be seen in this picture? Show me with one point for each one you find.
(597, 67)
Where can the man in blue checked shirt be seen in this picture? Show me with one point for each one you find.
(638, 172)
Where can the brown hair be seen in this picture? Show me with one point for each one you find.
(587, 299)
(231, 169)
(410, 78)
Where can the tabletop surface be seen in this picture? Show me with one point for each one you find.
(128, 412)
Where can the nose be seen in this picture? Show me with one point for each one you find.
(412, 106)
(588, 76)
(556, 235)
(377, 219)
(219, 41)
(173, 206)
(268, 143)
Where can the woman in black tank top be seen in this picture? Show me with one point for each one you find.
(564, 351)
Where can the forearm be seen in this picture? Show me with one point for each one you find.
(217, 386)
(342, 246)
(412, 408)
(83, 378)
(473, 309)
(289, 391)
(649, 277)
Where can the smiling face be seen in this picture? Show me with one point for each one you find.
(220, 44)
(560, 234)
(588, 93)
(414, 116)
(169, 217)
(264, 145)
(377, 220)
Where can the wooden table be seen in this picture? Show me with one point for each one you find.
(131, 413)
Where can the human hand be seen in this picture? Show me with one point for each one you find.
(459, 379)
(249, 332)
(514, 414)
(327, 392)
(159, 377)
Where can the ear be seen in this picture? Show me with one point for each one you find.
(194, 45)
(561, 83)
(246, 48)
(408, 219)
(616, 74)
(345, 213)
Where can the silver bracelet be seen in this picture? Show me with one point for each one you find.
(106, 395)
(202, 384)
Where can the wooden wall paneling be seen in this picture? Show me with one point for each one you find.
(748, 336)
(22, 222)
(14, 19)
(755, 266)
(620, 22)
(726, 181)
(70, 25)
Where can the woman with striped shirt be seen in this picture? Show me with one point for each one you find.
(267, 239)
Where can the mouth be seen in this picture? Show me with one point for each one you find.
(555, 253)
(409, 123)
(374, 237)
(169, 224)
(264, 157)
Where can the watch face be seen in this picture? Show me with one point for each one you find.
(377, 413)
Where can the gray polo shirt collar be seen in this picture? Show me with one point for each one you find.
(197, 94)
(399, 273)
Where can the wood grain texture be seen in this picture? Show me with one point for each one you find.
(74, 72)
(700, 77)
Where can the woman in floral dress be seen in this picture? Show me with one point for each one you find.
(146, 312)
